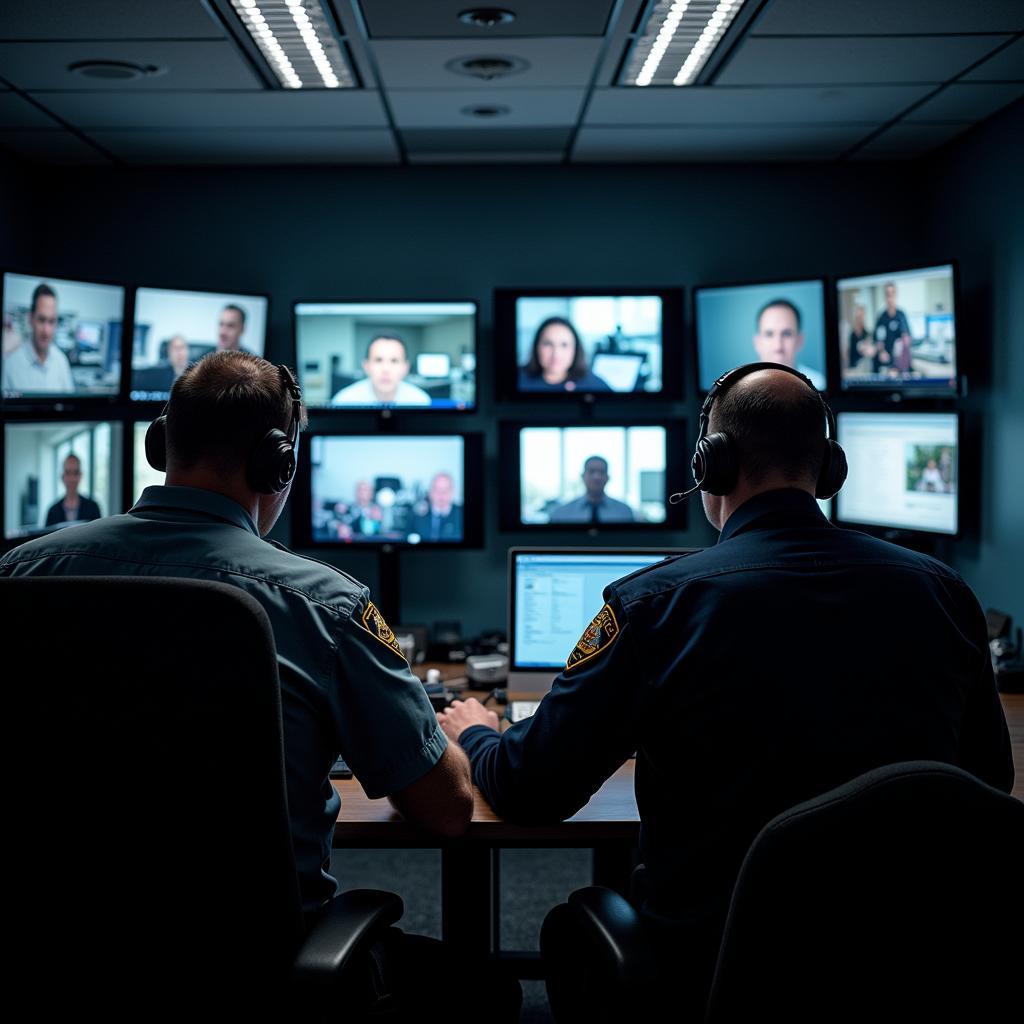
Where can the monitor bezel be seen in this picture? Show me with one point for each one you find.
(513, 552)
(472, 504)
(389, 411)
(694, 348)
(507, 363)
(141, 404)
(898, 389)
(895, 533)
(510, 481)
(39, 404)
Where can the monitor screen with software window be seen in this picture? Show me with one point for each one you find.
(903, 471)
(554, 593)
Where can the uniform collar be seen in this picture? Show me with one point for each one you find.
(196, 499)
(788, 505)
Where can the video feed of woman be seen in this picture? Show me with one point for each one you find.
(898, 330)
(60, 338)
(772, 323)
(591, 476)
(58, 475)
(588, 344)
(387, 490)
(405, 355)
(174, 329)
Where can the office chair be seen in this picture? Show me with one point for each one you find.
(894, 896)
(149, 869)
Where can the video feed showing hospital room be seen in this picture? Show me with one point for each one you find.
(60, 337)
(375, 355)
(407, 490)
(592, 475)
(57, 475)
(174, 329)
(589, 343)
(898, 329)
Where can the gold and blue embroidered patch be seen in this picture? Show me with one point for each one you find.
(598, 636)
(375, 625)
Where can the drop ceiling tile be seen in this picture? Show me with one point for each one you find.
(107, 19)
(790, 61)
(483, 140)
(715, 143)
(16, 112)
(51, 147)
(1006, 66)
(414, 19)
(218, 146)
(872, 17)
(334, 108)
(444, 108)
(968, 102)
(477, 157)
(189, 65)
(872, 104)
(904, 140)
(420, 64)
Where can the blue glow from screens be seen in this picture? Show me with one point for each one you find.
(403, 355)
(898, 331)
(388, 490)
(589, 344)
(734, 327)
(175, 328)
(69, 344)
(903, 470)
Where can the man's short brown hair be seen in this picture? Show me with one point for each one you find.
(222, 407)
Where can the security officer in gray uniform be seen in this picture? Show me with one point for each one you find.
(228, 441)
(733, 675)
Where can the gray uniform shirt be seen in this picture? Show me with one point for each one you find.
(344, 687)
(582, 511)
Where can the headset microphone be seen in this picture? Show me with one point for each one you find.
(674, 499)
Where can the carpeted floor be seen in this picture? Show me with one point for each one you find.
(532, 882)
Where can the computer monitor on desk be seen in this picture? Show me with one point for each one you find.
(553, 594)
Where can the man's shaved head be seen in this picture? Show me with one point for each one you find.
(777, 423)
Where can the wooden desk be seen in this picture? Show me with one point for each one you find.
(1013, 707)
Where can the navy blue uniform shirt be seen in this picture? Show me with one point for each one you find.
(750, 676)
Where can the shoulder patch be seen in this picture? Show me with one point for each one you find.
(374, 624)
(602, 632)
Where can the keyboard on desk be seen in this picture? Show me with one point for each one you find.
(340, 770)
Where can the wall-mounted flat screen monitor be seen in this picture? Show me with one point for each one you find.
(59, 474)
(175, 328)
(904, 471)
(897, 331)
(420, 489)
(782, 322)
(61, 339)
(599, 476)
(586, 343)
(386, 355)
(143, 474)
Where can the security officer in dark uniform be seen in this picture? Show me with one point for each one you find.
(734, 676)
(345, 686)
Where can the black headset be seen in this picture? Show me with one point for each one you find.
(269, 467)
(716, 464)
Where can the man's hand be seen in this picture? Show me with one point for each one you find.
(464, 713)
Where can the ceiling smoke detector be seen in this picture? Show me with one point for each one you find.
(487, 68)
(113, 70)
(486, 111)
(487, 17)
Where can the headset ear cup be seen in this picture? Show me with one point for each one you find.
(833, 471)
(272, 464)
(156, 444)
(721, 464)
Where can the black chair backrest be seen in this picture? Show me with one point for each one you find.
(150, 854)
(895, 896)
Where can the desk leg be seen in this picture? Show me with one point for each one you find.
(470, 911)
(613, 866)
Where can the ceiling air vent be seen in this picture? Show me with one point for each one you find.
(487, 17)
(113, 70)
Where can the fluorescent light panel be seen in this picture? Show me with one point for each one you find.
(297, 42)
(678, 40)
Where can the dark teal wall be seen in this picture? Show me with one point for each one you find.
(976, 212)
